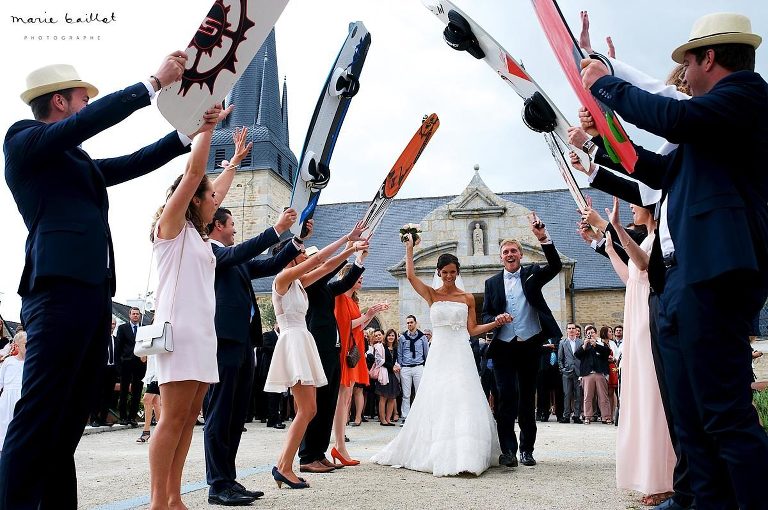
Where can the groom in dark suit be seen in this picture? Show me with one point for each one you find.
(514, 298)
(61, 193)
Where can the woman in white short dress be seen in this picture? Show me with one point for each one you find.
(296, 363)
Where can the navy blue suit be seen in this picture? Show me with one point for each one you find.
(717, 194)
(69, 267)
(516, 364)
(226, 403)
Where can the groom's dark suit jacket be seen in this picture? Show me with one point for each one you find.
(533, 277)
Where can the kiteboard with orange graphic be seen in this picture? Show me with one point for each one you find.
(400, 170)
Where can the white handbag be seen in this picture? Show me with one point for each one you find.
(158, 338)
(153, 339)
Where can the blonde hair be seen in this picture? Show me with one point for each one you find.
(511, 241)
(192, 213)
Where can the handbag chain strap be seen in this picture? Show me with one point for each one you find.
(178, 271)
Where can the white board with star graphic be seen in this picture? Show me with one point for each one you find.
(222, 48)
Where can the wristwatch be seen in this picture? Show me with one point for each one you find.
(588, 147)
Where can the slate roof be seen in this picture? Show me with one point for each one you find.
(555, 207)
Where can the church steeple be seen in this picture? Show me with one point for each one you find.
(284, 110)
(256, 97)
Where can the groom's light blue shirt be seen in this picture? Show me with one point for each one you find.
(525, 321)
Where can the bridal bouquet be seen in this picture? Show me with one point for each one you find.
(412, 229)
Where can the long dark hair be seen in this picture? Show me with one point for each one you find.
(448, 258)
(394, 344)
(193, 212)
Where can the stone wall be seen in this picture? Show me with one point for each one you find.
(599, 307)
(256, 199)
(389, 318)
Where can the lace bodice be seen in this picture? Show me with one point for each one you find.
(449, 314)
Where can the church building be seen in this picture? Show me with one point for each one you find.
(469, 225)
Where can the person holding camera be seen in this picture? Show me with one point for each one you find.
(594, 375)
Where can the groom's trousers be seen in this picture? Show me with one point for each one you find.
(515, 367)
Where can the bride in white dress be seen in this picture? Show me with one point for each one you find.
(450, 428)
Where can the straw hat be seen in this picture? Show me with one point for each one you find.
(718, 28)
(52, 78)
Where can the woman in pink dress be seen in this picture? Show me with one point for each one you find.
(186, 299)
(645, 460)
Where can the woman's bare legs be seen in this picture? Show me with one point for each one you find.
(391, 404)
(178, 398)
(306, 407)
(359, 396)
(340, 418)
(383, 410)
(180, 456)
(151, 401)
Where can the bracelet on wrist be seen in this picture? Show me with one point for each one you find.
(298, 240)
(157, 81)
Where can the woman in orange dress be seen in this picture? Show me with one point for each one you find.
(351, 323)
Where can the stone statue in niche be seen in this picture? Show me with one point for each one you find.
(477, 240)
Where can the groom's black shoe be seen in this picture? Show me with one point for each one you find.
(508, 459)
(526, 459)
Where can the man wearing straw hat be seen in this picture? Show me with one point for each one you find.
(61, 194)
(713, 236)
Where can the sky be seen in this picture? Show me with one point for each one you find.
(409, 72)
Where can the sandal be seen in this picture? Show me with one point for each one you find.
(655, 499)
(144, 437)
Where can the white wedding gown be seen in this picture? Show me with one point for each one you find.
(450, 428)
